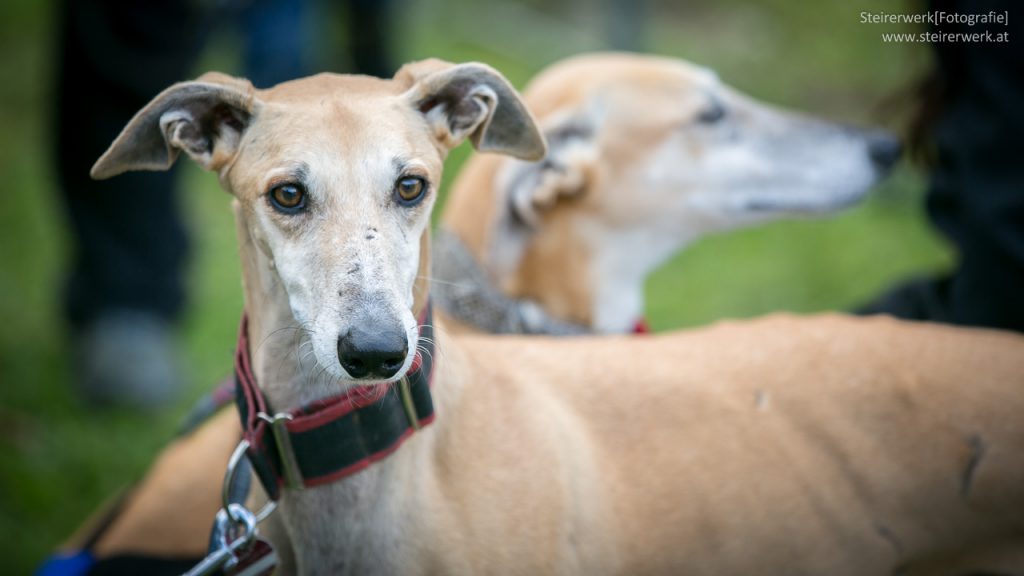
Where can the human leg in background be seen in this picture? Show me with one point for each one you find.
(124, 290)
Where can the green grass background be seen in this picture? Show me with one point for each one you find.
(58, 459)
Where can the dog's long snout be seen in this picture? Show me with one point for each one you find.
(884, 149)
(372, 354)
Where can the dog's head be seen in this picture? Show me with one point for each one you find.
(643, 136)
(647, 154)
(334, 178)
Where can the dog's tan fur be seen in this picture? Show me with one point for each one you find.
(784, 445)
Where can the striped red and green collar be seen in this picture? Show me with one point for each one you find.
(329, 439)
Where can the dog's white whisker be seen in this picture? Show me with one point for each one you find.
(436, 280)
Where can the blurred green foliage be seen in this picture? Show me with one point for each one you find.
(59, 460)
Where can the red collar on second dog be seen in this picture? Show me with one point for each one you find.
(641, 327)
(330, 439)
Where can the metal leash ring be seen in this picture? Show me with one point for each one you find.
(231, 507)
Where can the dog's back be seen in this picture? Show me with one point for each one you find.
(823, 445)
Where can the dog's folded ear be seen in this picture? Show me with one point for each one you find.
(528, 191)
(205, 118)
(475, 101)
(570, 167)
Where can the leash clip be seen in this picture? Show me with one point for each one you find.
(234, 531)
(234, 542)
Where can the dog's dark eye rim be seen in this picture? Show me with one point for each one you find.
(712, 114)
(287, 197)
(410, 189)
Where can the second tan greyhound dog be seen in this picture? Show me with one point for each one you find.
(824, 445)
(645, 155)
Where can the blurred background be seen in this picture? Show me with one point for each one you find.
(59, 458)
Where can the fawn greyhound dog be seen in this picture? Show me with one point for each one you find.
(645, 155)
(823, 445)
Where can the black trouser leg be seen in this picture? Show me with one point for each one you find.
(129, 242)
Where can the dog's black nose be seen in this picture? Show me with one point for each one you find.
(372, 354)
(884, 149)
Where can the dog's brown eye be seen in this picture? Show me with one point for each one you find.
(288, 198)
(410, 189)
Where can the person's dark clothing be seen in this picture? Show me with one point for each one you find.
(976, 193)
